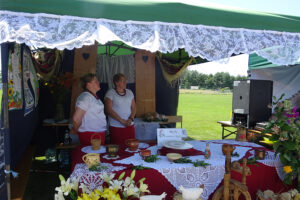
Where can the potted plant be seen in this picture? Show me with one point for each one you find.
(284, 126)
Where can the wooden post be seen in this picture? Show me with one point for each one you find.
(6, 126)
(85, 61)
(145, 82)
(244, 171)
(227, 175)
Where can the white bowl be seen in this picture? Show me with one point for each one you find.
(173, 156)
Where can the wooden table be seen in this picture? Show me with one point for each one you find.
(226, 124)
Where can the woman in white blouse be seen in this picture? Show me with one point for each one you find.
(120, 108)
(89, 117)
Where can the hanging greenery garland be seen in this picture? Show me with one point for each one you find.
(47, 62)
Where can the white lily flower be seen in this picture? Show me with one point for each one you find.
(143, 187)
(115, 185)
(127, 181)
(132, 191)
(74, 183)
(66, 187)
(100, 188)
(107, 177)
(59, 196)
(85, 189)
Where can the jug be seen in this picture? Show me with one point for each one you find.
(91, 159)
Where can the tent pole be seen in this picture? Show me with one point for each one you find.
(117, 49)
(121, 46)
(6, 127)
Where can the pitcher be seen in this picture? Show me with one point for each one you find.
(91, 159)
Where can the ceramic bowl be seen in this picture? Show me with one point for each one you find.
(173, 156)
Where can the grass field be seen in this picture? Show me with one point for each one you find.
(201, 110)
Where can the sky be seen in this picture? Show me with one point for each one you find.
(238, 65)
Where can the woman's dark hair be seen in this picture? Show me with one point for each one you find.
(86, 79)
(118, 77)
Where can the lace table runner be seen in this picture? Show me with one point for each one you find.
(92, 179)
(186, 174)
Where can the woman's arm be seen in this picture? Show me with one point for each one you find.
(109, 111)
(132, 114)
(133, 110)
(77, 119)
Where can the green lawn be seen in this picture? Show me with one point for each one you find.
(201, 111)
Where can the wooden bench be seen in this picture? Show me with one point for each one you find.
(173, 119)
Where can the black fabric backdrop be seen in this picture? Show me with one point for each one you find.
(166, 95)
(22, 128)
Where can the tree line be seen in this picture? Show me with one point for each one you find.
(218, 81)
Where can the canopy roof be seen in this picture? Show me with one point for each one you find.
(258, 62)
(186, 12)
(212, 33)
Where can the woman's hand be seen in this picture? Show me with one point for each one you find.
(128, 122)
(73, 131)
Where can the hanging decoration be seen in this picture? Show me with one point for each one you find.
(172, 71)
(30, 82)
(15, 100)
(47, 62)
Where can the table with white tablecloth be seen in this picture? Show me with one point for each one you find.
(266, 174)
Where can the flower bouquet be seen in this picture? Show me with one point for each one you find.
(59, 87)
(112, 189)
(284, 126)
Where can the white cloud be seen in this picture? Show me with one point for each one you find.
(237, 65)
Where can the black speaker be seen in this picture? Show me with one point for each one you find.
(250, 101)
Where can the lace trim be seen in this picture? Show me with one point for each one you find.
(209, 42)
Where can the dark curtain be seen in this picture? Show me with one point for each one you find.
(166, 95)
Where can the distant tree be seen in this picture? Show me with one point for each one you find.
(210, 82)
(217, 81)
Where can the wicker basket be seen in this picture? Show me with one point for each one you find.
(96, 141)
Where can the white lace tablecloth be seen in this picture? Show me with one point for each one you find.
(188, 175)
(92, 179)
(185, 174)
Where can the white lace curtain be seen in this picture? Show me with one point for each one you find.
(209, 42)
(108, 66)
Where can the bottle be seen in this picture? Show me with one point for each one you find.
(67, 137)
(207, 152)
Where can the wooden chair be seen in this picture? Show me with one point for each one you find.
(233, 189)
(173, 119)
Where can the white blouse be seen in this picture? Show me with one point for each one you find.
(94, 119)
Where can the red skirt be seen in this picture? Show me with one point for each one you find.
(85, 137)
(118, 135)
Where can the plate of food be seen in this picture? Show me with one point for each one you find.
(177, 144)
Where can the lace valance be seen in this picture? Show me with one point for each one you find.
(209, 42)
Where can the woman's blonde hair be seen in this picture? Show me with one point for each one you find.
(117, 77)
(86, 79)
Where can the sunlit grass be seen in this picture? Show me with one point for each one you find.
(202, 110)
